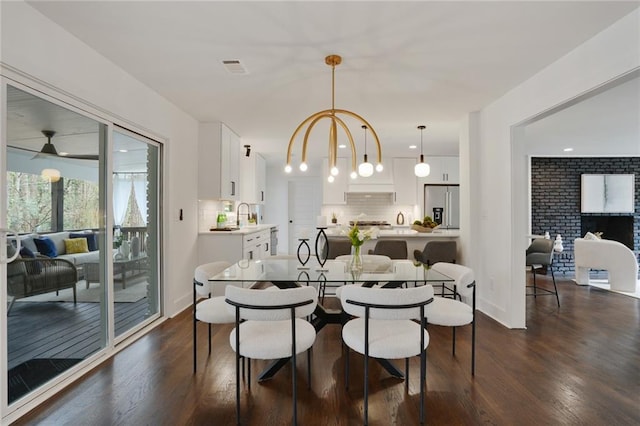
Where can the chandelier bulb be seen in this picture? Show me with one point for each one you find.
(303, 167)
(354, 175)
(287, 168)
(379, 167)
(334, 171)
(331, 179)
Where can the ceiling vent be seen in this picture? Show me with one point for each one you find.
(234, 66)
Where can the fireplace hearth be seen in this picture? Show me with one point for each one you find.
(617, 228)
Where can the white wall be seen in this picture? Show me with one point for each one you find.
(499, 226)
(34, 45)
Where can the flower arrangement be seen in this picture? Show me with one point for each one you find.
(357, 236)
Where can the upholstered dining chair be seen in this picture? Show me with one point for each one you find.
(384, 327)
(437, 251)
(270, 325)
(211, 310)
(455, 313)
(394, 249)
(337, 247)
(540, 255)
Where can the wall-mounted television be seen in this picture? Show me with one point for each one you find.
(611, 193)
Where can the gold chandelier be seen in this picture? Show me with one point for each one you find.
(332, 114)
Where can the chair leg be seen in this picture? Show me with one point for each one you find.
(554, 285)
(309, 368)
(237, 386)
(346, 369)
(366, 389)
(209, 338)
(248, 361)
(473, 346)
(535, 289)
(453, 349)
(295, 389)
(406, 374)
(423, 385)
(195, 337)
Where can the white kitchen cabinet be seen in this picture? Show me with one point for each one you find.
(335, 192)
(256, 245)
(233, 246)
(443, 170)
(218, 162)
(254, 176)
(405, 181)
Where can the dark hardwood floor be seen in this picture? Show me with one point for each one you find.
(576, 365)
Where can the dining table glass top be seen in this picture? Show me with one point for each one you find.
(279, 269)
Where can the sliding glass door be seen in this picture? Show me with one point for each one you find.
(135, 206)
(83, 197)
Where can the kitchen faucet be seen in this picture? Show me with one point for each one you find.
(238, 213)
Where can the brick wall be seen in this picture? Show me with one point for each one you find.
(555, 198)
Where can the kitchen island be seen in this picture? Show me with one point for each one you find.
(415, 240)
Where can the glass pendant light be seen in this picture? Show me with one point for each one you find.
(365, 169)
(421, 169)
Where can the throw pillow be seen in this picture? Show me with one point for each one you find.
(29, 243)
(92, 239)
(46, 246)
(76, 245)
(591, 236)
(33, 268)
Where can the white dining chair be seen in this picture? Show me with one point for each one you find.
(454, 313)
(270, 325)
(211, 310)
(384, 327)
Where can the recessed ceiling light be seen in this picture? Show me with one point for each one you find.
(342, 146)
(123, 150)
(63, 154)
(412, 146)
(568, 149)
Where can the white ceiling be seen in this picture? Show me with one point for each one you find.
(404, 63)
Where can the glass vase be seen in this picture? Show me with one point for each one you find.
(356, 265)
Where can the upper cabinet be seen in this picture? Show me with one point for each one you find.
(218, 162)
(405, 181)
(443, 170)
(335, 192)
(254, 177)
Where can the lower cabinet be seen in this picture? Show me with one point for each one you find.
(232, 247)
(256, 246)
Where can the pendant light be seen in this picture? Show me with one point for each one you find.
(421, 169)
(365, 169)
(336, 121)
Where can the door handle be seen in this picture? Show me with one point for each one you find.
(3, 256)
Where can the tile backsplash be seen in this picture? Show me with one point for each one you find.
(370, 206)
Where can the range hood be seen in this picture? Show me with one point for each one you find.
(371, 188)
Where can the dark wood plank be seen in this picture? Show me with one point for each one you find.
(63, 329)
(577, 364)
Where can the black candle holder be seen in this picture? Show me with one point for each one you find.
(301, 254)
(321, 243)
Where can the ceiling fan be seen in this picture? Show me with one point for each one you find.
(49, 149)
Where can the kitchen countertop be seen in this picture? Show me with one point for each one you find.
(241, 231)
(406, 233)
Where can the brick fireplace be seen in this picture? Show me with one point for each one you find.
(555, 202)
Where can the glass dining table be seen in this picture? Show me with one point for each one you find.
(289, 272)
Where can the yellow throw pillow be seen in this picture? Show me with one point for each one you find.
(76, 245)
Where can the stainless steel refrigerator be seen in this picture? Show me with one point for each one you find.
(442, 203)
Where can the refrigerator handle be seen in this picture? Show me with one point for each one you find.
(448, 209)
